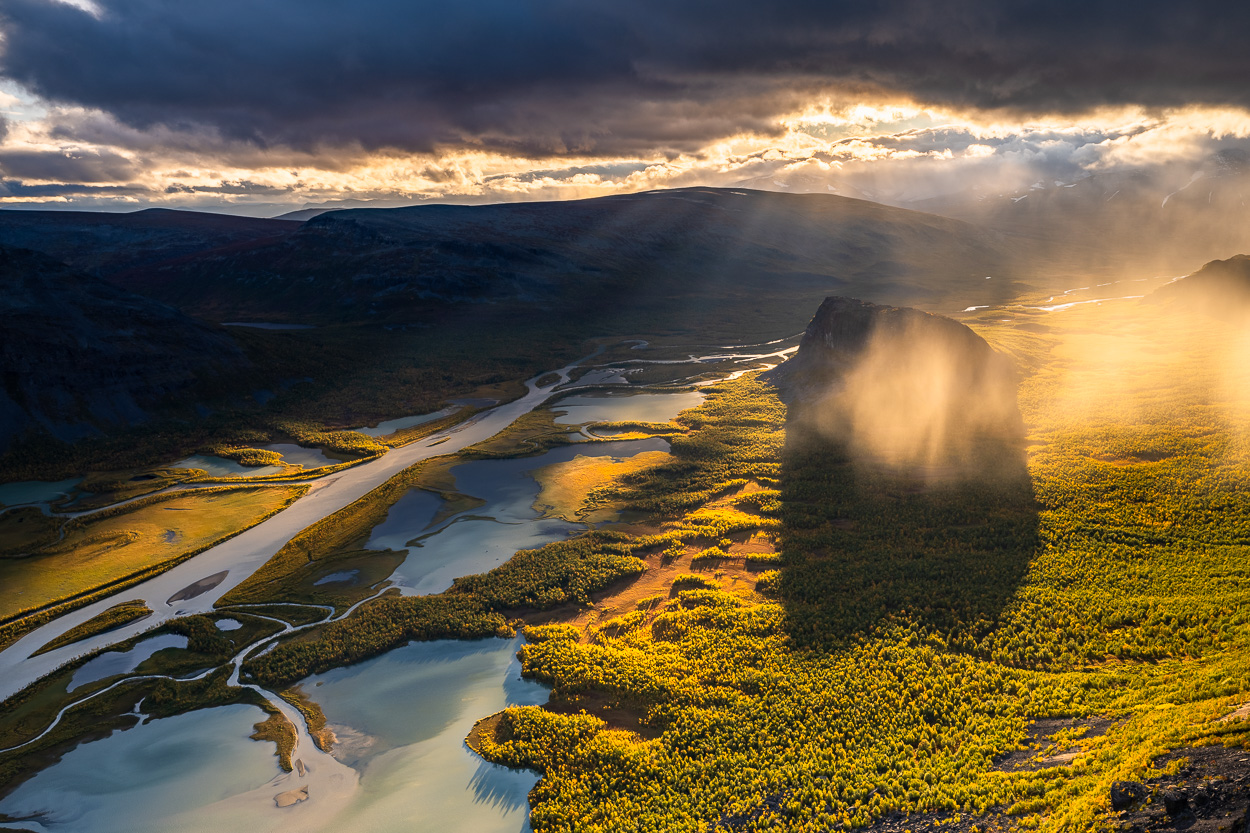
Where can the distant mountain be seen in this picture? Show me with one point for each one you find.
(79, 355)
(1220, 288)
(303, 214)
(1135, 220)
(802, 183)
(310, 210)
(658, 252)
(101, 243)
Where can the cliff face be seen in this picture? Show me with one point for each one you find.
(78, 354)
(899, 385)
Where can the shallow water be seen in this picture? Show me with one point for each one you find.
(641, 407)
(341, 577)
(415, 768)
(401, 717)
(123, 662)
(144, 778)
(297, 455)
(385, 429)
(221, 467)
(486, 537)
(35, 491)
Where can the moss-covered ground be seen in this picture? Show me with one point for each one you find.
(917, 628)
(112, 549)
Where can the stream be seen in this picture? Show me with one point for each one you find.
(400, 763)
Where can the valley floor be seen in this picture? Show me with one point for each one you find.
(778, 635)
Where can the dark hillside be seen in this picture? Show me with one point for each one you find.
(101, 243)
(656, 257)
(78, 354)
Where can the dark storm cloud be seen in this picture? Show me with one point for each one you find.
(562, 77)
(17, 188)
(66, 166)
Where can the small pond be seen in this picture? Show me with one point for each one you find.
(123, 662)
(640, 407)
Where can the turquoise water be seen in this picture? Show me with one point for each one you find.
(486, 537)
(384, 429)
(401, 718)
(416, 774)
(221, 467)
(147, 779)
(111, 663)
(35, 491)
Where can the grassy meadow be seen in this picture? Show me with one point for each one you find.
(572, 491)
(115, 545)
(916, 628)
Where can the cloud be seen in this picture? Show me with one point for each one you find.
(17, 188)
(238, 187)
(61, 166)
(558, 78)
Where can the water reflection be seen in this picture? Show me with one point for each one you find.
(641, 407)
(416, 705)
(111, 663)
(390, 426)
(401, 718)
(36, 491)
(488, 536)
(140, 780)
(221, 467)
(298, 455)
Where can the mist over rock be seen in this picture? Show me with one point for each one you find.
(78, 354)
(1220, 288)
(900, 386)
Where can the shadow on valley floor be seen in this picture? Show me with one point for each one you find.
(864, 545)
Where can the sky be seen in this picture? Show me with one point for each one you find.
(266, 106)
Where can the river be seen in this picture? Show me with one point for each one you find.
(401, 718)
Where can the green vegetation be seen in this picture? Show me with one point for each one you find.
(23, 531)
(335, 542)
(115, 617)
(579, 489)
(556, 574)
(276, 729)
(245, 456)
(113, 549)
(919, 626)
(907, 630)
(331, 544)
(314, 717)
(376, 628)
(32, 710)
(325, 380)
(103, 488)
